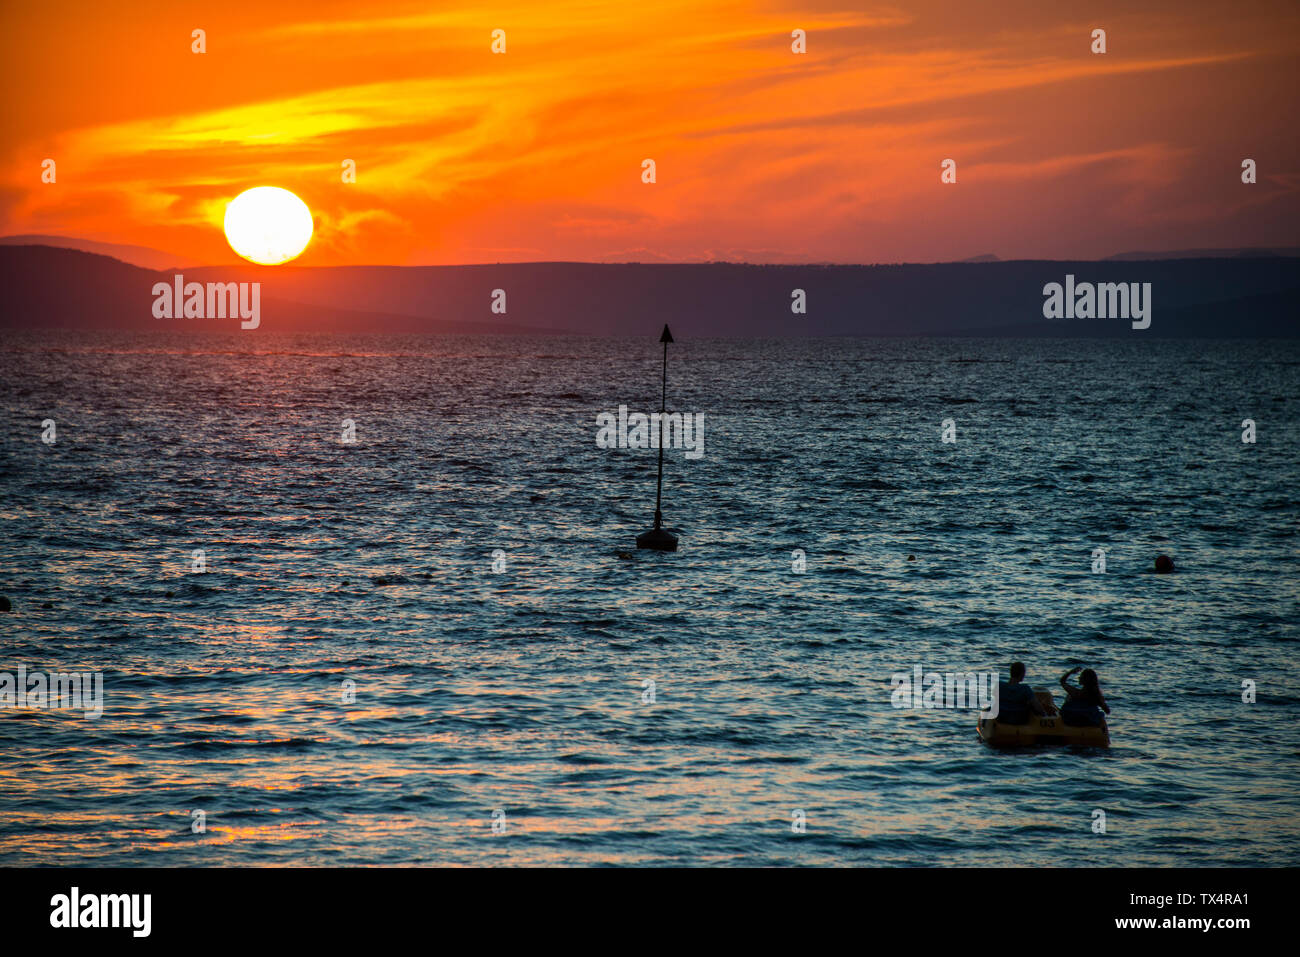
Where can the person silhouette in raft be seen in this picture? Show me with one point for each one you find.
(1084, 702)
(1016, 700)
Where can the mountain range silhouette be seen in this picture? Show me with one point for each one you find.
(1215, 297)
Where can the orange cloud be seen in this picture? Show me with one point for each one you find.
(832, 155)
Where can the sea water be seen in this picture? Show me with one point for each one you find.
(360, 600)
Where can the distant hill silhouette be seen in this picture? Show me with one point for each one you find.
(135, 255)
(1284, 251)
(47, 288)
(1217, 298)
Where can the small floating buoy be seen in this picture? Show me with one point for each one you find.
(1164, 564)
(4, 604)
(911, 558)
(48, 605)
(346, 583)
(107, 599)
(659, 539)
(170, 594)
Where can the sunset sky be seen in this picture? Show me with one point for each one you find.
(762, 155)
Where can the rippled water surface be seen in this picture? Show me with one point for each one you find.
(522, 690)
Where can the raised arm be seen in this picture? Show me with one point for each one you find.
(1069, 688)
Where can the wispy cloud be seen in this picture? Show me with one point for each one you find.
(458, 149)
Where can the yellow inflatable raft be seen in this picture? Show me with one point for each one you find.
(1042, 730)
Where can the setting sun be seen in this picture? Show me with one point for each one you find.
(268, 225)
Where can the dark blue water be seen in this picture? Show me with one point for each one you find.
(521, 690)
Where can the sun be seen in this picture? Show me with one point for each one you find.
(268, 225)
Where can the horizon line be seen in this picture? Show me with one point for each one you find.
(983, 259)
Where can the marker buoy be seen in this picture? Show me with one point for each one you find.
(659, 538)
(1164, 564)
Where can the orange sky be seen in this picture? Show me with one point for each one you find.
(763, 155)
